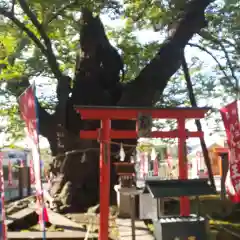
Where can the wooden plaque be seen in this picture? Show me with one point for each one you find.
(144, 125)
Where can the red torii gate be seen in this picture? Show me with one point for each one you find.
(106, 114)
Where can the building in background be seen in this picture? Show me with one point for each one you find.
(16, 156)
(197, 161)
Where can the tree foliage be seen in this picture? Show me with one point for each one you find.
(24, 60)
(62, 45)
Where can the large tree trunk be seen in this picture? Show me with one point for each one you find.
(97, 82)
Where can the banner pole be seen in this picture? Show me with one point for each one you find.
(38, 148)
(29, 111)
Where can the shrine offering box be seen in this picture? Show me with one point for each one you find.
(190, 227)
(180, 228)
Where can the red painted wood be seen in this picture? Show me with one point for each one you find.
(126, 174)
(121, 113)
(183, 166)
(104, 166)
(132, 114)
(221, 150)
(127, 134)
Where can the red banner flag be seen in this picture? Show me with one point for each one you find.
(230, 119)
(169, 160)
(43, 215)
(21, 163)
(10, 176)
(142, 165)
(155, 167)
(27, 103)
(199, 162)
(28, 112)
(32, 178)
(146, 164)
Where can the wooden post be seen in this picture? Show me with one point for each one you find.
(183, 166)
(104, 178)
(20, 182)
(224, 166)
(223, 153)
(132, 205)
(29, 189)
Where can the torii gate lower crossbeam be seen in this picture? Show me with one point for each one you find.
(106, 114)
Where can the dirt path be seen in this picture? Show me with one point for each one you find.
(124, 228)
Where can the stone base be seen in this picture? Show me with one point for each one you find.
(124, 202)
(148, 207)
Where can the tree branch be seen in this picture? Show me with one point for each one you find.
(218, 63)
(47, 52)
(99, 64)
(47, 126)
(52, 61)
(63, 87)
(214, 40)
(233, 45)
(61, 10)
(20, 25)
(197, 121)
(46, 119)
(13, 6)
(152, 80)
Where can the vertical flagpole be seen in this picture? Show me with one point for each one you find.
(10, 178)
(38, 148)
(238, 98)
(238, 90)
(32, 172)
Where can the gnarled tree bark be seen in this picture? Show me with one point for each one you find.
(97, 82)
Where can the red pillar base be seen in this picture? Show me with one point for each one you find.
(104, 166)
(184, 206)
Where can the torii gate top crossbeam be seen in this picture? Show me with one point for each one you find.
(131, 113)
